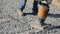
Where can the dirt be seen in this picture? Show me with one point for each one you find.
(12, 23)
(56, 2)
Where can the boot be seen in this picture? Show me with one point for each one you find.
(20, 13)
(42, 22)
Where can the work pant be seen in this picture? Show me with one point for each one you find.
(22, 4)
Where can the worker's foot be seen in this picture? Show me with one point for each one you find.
(36, 25)
(44, 25)
(20, 13)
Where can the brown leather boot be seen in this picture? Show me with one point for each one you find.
(20, 13)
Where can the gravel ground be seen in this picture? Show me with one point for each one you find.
(11, 23)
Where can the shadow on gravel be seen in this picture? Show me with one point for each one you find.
(54, 27)
(54, 15)
(51, 28)
(29, 14)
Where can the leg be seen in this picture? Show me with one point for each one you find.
(21, 7)
(42, 13)
(42, 22)
(35, 7)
